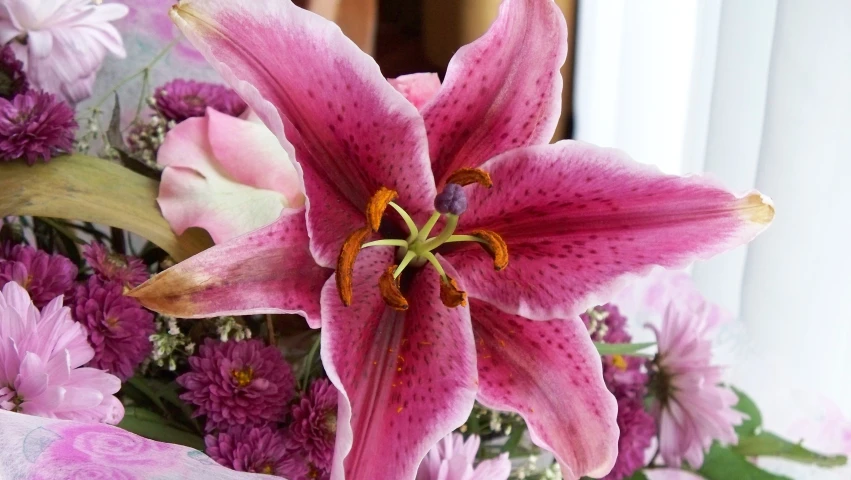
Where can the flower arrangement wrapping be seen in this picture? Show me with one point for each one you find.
(311, 271)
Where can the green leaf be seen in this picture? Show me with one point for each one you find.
(79, 187)
(150, 425)
(747, 406)
(621, 348)
(723, 464)
(639, 475)
(769, 444)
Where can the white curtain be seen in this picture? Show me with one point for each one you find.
(758, 94)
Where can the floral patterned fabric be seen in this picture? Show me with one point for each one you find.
(36, 448)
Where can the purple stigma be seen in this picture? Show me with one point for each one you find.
(451, 200)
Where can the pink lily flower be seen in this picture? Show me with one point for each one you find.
(573, 219)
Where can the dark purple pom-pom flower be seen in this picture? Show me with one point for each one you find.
(314, 427)
(238, 383)
(35, 126)
(451, 200)
(44, 276)
(13, 80)
(127, 270)
(181, 99)
(249, 449)
(119, 328)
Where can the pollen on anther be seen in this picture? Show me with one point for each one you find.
(377, 205)
(399, 409)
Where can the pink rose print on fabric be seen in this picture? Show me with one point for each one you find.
(38, 448)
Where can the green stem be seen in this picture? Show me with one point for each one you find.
(448, 230)
(308, 364)
(428, 226)
(412, 227)
(143, 71)
(404, 263)
(434, 263)
(386, 242)
(464, 238)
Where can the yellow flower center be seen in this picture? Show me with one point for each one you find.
(243, 377)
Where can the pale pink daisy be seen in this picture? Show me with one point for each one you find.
(62, 42)
(691, 406)
(41, 355)
(452, 459)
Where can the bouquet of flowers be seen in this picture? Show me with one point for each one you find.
(314, 272)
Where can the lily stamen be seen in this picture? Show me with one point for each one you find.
(418, 248)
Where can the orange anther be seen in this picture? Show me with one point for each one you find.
(466, 176)
(495, 246)
(390, 292)
(377, 205)
(450, 294)
(346, 263)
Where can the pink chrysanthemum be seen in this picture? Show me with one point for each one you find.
(124, 269)
(13, 80)
(238, 383)
(118, 327)
(452, 459)
(314, 426)
(35, 126)
(44, 276)
(182, 99)
(691, 407)
(249, 449)
(40, 358)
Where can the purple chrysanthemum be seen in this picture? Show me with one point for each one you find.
(117, 325)
(13, 80)
(249, 449)
(35, 126)
(238, 383)
(181, 99)
(606, 324)
(44, 276)
(314, 425)
(637, 429)
(626, 377)
(126, 270)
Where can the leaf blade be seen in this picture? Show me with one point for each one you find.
(79, 187)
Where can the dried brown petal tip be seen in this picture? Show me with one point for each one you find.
(466, 176)
(346, 263)
(377, 205)
(495, 246)
(450, 295)
(389, 288)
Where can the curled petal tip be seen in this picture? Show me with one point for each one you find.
(757, 208)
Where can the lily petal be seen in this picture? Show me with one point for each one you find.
(269, 270)
(502, 91)
(577, 218)
(226, 175)
(405, 379)
(348, 129)
(418, 88)
(252, 155)
(550, 373)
